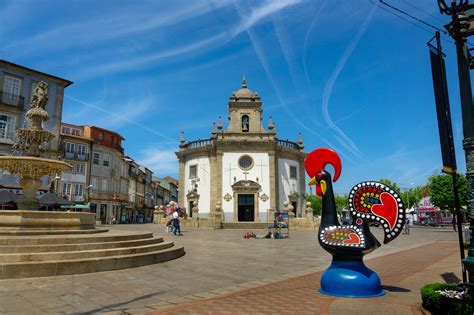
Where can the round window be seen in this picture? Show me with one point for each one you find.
(245, 162)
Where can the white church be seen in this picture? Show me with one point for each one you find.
(243, 170)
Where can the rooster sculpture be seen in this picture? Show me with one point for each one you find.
(368, 202)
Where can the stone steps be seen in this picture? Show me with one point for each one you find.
(78, 266)
(10, 249)
(24, 240)
(244, 225)
(13, 232)
(82, 254)
(54, 255)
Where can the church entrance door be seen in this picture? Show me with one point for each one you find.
(246, 207)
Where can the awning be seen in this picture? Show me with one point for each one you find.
(424, 210)
(77, 206)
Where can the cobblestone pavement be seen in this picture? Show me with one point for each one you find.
(300, 295)
(216, 263)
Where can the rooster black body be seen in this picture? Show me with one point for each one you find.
(368, 202)
(329, 220)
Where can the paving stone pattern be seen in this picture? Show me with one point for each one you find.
(216, 263)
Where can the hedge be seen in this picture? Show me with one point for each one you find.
(439, 304)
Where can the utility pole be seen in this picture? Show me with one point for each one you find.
(459, 29)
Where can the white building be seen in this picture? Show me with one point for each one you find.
(244, 167)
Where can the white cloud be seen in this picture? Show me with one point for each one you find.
(114, 24)
(189, 49)
(125, 117)
(161, 161)
(332, 79)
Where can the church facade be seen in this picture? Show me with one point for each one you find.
(243, 170)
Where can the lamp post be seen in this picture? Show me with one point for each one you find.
(407, 189)
(86, 195)
(460, 28)
(56, 183)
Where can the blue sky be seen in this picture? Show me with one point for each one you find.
(346, 74)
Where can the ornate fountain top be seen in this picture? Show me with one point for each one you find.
(30, 142)
(40, 96)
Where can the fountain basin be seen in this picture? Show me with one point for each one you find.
(47, 220)
(34, 167)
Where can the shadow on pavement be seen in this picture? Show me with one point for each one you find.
(392, 288)
(450, 277)
(117, 306)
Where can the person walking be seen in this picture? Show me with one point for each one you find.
(407, 227)
(176, 227)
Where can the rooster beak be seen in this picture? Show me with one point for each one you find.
(323, 185)
(312, 181)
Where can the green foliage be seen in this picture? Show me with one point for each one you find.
(394, 185)
(316, 203)
(341, 202)
(441, 191)
(438, 304)
(409, 197)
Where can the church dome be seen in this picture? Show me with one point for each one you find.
(244, 94)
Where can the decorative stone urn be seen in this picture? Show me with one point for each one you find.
(289, 208)
(217, 216)
(309, 210)
(158, 214)
(195, 209)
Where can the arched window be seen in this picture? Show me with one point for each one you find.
(245, 123)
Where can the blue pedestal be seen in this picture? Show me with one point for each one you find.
(350, 279)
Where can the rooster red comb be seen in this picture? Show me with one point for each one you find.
(317, 160)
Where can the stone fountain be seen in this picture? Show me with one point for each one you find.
(29, 145)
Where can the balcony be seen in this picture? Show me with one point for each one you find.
(78, 199)
(106, 195)
(196, 144)
(289, 145)
(12, 99)
(75, 156)
(9, 136)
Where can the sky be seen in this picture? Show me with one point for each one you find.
(349, 75)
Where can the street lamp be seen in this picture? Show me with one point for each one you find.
(460, 27)
(407, 189)
(56, 183)
(86, 195)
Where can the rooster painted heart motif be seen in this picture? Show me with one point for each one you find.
(376, 202)
(348, 236)
(387, 210)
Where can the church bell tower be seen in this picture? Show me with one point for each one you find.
(245, 113)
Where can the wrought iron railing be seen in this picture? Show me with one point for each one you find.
(11, 99)
(197, 144)
(289, 145)
(75, 156)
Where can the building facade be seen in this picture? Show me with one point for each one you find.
(244, 169)
(17, 84)
(75, 149)
(105, 195)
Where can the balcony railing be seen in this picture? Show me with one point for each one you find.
(78, 198)
(12, 99)
(197, 144)
(289, 145)
(75, 156)
(106, 195)
(8, 138)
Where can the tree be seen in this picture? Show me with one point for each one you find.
(316, 203)
(341, 202)
(409, 197)
(391, 184)
(441, 191)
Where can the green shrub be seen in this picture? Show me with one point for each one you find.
(438, 304)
